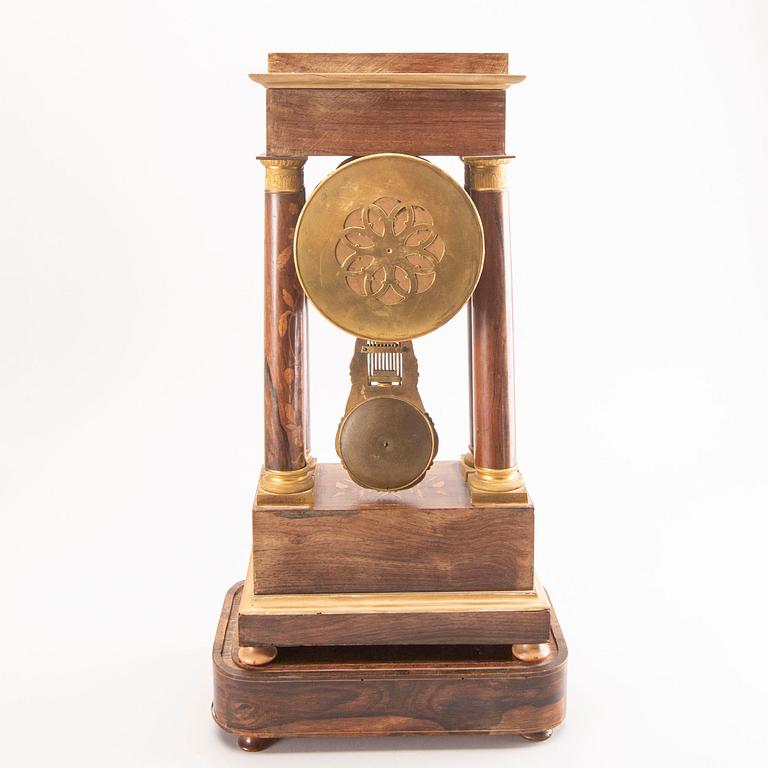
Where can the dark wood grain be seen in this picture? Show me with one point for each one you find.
(385, 691)
(488, 63)
(360, 122)
(285, 337)
(391, 550)
(491, 324)
(483, 628)
(428, 538)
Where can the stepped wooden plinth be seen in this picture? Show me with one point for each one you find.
(416, 567)
(384, 690)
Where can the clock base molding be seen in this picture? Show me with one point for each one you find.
(386, 690)
(393, 618)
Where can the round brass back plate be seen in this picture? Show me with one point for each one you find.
(389, 247)
(387, 443)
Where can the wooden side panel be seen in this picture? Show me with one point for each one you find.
(482, 628)
(470, 63)
(392, 550)
(386, 691)
(359, 122)
(427, 539)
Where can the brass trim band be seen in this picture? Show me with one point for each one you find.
(465, 81)
(284, 174)
(251, 604)
(486, 173)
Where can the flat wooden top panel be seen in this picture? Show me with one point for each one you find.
(489, 63)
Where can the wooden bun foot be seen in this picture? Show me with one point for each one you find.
(256, 655)
(531, 651)
(253, 744)
(537, 735)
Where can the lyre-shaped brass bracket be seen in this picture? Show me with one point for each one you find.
(386, 440)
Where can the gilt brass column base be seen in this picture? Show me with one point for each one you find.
(291, 488)
(497, 486)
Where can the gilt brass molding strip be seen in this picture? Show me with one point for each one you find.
(395, 80)
(283, 174)
(390, 602)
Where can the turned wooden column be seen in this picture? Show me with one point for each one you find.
(493, 387)
(468, 459)
(286, 406)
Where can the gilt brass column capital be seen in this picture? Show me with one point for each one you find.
(486, 173)
(284, 174)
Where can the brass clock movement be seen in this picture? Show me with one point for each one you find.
(388, 247)
(407, 247)
(388, 593)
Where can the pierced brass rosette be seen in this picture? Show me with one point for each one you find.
(389, 247)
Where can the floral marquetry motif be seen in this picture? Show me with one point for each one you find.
(389, 250)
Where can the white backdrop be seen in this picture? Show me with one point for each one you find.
(130, 432)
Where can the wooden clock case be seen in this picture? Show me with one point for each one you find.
(415, 612)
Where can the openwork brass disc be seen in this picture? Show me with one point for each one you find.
(389, 247)
(387, 443)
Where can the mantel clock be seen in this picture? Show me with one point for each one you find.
(388, 593)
